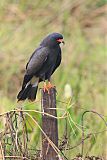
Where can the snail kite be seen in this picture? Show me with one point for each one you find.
(41, 65)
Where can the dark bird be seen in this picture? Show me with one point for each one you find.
(41, 65)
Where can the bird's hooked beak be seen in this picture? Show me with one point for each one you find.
(61, 41)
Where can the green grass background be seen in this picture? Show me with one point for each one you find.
(83, 23)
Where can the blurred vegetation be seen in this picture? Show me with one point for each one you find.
(23, 23)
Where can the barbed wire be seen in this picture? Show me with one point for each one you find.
(10, 134)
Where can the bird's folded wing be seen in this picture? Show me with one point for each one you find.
(37, 60)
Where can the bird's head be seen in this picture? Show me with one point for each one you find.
(52, 40)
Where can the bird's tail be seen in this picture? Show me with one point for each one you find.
(29, 92)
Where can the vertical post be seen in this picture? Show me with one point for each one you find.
(49, 124)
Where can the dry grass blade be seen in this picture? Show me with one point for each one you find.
(1, 151)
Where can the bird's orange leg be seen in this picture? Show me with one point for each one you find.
(50, 85)
(45, 88)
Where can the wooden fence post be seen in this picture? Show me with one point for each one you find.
(49, 124)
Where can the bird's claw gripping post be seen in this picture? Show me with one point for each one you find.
(45, 88)
(50, 85)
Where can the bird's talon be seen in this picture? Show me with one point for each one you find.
(50, 85)
(45, 88)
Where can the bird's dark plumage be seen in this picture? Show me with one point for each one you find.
(41, 65)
